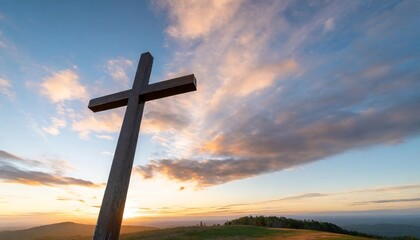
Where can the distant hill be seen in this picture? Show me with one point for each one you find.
(387, 230)
(65, 230)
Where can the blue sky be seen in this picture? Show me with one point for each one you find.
(302, 107)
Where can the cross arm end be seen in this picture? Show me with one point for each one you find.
(170, 87)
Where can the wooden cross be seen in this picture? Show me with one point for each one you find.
(112, 208)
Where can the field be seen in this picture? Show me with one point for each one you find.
(235, 233)
(73, 231)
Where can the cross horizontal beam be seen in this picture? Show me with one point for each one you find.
(151, 92)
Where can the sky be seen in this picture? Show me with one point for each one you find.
(302, 107)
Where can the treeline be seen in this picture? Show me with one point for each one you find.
(282, 222)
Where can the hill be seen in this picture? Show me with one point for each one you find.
(283, 222)
(230, 231)
(237, 232)
(73, 231)
(65, 230)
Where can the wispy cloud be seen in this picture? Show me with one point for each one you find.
(279, 205)
(9, 156)
(107, 153)
(56, 124)
(402, 200)
(106, 137)
(70, 199)
(110, 122)
(389, 188)
(117, 68)
(3, 39)
(6, 87)
(32, 172)
(13, 174)
(329, 24)
(274, 93)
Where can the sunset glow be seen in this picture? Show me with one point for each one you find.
(301, 108)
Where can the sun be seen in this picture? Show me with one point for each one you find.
(131, 213)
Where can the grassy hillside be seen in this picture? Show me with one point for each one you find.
(283, 222)
(235, 233)
(73, 231)
(66, 230)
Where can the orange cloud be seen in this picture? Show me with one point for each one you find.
(194, 19)
(63, 85)
(213, 146)
(245, 121)
(264, 76)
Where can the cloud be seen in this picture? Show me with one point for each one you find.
(389, 189)
(155, 121)
(16, 175)
(107, 153)
(259, 78)
(56, 124)
(304, 196)
(194, 19)
(106, 137)
(376, 71)
(281, 205)
(110, 122)
(63, 85)
(329, 24)
(6, 87)
(204, 173)
(6, 155)
(3, 39)
(11, 157)
(70, 199)
(273, 93)
(117, 68)
(402, 200)
(267, 147)
(16, 170)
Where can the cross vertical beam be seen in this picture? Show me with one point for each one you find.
(112, 208)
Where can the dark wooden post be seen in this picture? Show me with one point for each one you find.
(112, 208)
